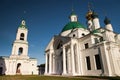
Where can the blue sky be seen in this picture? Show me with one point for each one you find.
(45, 18)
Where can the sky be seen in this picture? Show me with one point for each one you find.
(46, 18)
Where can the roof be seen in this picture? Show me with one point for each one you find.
(95, 31)
(72, 25)
(23, 25)
(73, 13)
(3, 57)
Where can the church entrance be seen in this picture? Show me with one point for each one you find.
(1, 70)
(18, 71)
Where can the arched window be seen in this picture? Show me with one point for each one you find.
(20, 51)
(22, 36)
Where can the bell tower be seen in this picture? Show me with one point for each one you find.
(20, 45)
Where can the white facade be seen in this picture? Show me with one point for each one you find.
(19, 62)
(84, 52)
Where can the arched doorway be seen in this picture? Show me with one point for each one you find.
(18, 71)
(1, 70)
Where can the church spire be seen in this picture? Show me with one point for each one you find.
(23, 24)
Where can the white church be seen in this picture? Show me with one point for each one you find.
(81, 51)
(19, 63)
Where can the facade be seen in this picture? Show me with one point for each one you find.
(19, 62)
(80, 51)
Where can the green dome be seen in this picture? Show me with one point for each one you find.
(72, 25)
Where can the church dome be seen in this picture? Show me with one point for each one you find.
(72, 25)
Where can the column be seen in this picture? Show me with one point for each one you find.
(50, 63)
(69, 63)
(53, 64)
(46, 64)
(73, 60)
(64, 61)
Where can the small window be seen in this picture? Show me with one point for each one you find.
(22, 36)
(73, 35)
(86, 46)
(97, 60)
(83, 34)
(96, 40)
(101, 39)
(75, 19)
(88, 63)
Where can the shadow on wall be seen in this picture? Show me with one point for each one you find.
(2, 65)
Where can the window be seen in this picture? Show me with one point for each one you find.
(83, 34)
(22, 36)
(88, 63)
(75, 19)
(97, 60)
(20, 51)
(86, 46)
(101, 39)
(73, 35)
(96, 40)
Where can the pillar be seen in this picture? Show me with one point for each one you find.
(53, 63)
(64, 61)
(73, 60)
(46, 64)
(50, 63)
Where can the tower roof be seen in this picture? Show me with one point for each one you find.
(73, 13)
(72, 25)
(94, 15)
(107, 21)
(23, 24)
